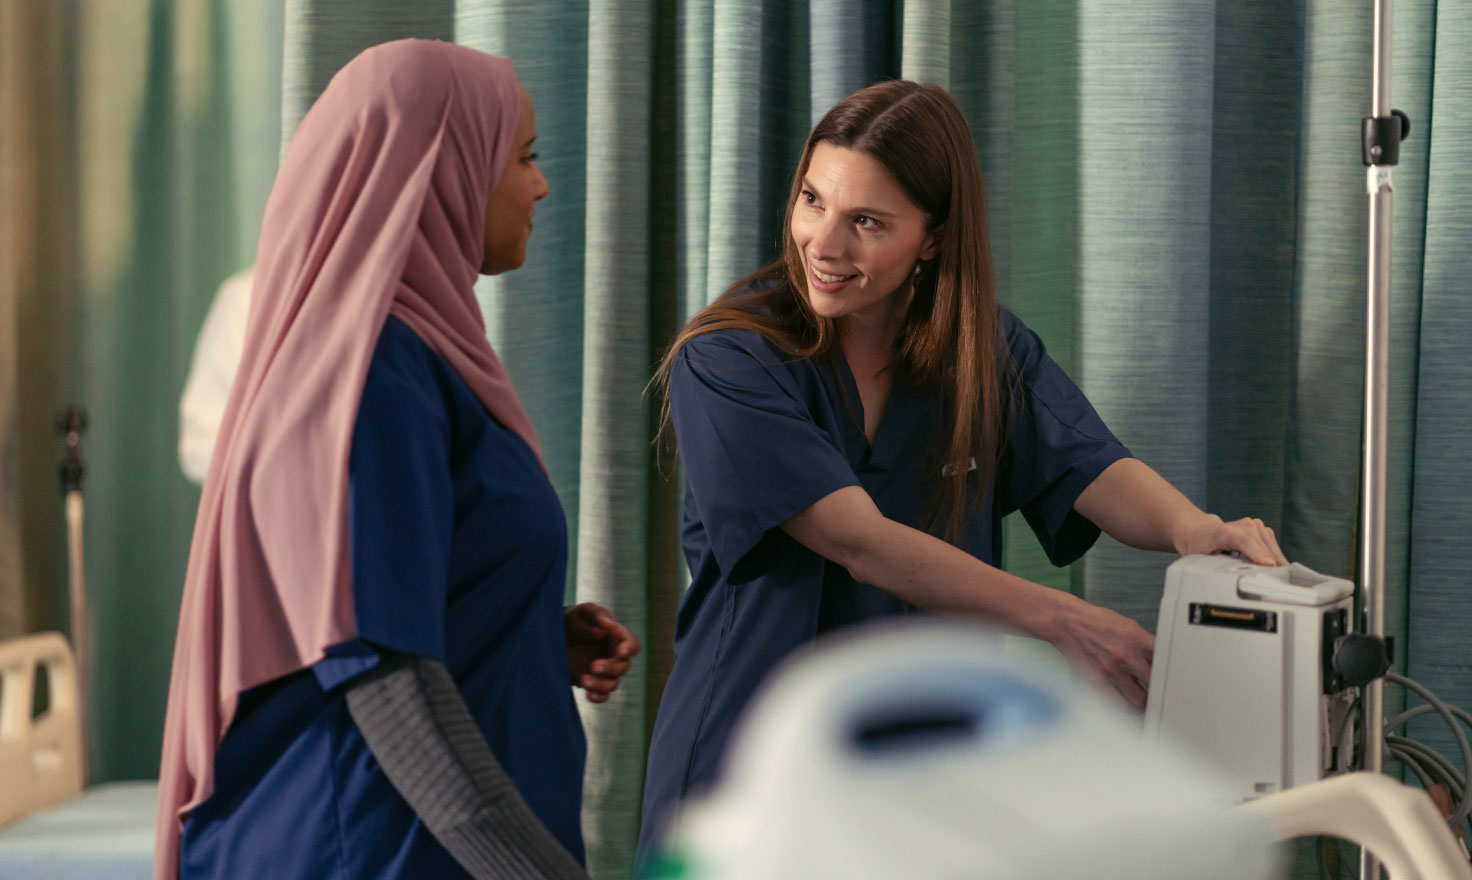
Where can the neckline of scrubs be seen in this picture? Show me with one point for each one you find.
(900, 407)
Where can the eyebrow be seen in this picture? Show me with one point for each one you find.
(529, 142)
(867, 212)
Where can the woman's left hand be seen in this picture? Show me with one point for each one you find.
(1250, 537)
(599, 649)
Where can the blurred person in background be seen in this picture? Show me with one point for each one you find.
(211, 372)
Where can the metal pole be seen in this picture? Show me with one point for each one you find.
(1377, 364)
(71, 422)
(81, 646)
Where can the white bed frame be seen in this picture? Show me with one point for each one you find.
(40, 758)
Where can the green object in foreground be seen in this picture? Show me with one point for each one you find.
(666, 865)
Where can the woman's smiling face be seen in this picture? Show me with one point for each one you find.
(858, 233)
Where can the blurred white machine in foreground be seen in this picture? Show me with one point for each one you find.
(921, 750)
(1243, 672)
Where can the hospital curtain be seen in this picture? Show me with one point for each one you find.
(1438, 606)
(141, 141)
(1177, 206)
(30, 37)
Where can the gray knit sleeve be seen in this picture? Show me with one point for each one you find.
(419, 729)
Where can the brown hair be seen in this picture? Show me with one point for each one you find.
(947, 341)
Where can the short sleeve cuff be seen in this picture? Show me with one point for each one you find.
(345, 662)
(1063, 532)
(735, 540)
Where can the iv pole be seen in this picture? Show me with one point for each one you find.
(70, 423)
(1382, 133)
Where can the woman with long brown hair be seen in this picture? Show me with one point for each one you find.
(854, 421)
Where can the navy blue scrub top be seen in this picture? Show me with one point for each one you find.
(459, 554)
(763, 435)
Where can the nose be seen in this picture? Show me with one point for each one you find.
(542, 187)
(829, 241)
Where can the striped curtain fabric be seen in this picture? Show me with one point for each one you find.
(1177, 206)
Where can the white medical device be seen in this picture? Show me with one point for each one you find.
(1243, 672)
(922, 750)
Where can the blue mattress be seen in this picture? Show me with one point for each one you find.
(104, 834)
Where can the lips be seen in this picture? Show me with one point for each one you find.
(826, 282)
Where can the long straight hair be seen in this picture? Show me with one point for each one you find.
(947, 341)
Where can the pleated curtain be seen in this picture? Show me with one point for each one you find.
(140, 141)
(1177, 205)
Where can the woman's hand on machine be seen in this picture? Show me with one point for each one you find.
(1107, 648)
(1252, 538)
(599, 649)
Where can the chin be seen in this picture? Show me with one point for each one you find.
(830, 307)
(824, 306)
(503, 266)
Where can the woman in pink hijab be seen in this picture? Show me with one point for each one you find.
(372, 667)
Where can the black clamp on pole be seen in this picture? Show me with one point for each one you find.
(70, 423)
(1361, 658)
(1380, 138)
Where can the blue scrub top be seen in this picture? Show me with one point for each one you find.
(762, 436)
(459, 554)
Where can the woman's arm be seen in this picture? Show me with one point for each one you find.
(417, 726)
(1136, 506)
(847, 528)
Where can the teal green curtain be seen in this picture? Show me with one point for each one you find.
(1437, 606)
(1176, 202)
(34, 246)
(158, 125)
(185, 216)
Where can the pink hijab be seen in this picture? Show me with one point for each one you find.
(378, 209)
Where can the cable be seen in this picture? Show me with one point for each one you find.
(1459, 791)
(1451, 778)
(1446, 713)
(1430, 767)
(1447, 771)
(1418, 711)
(1408, 759)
